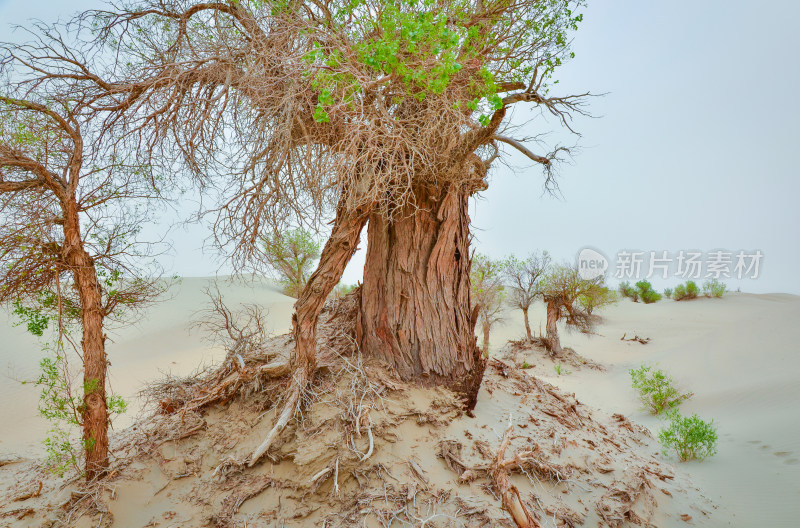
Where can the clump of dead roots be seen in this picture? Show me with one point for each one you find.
(530, 353)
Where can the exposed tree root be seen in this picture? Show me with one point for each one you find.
(512, 502)
(290, 406)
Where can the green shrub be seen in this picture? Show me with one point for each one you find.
(689, 436)
(651, 296)
(687, 291)
(679, 293)
(291, 255)
(626, 290)
(668, 292)
(656, 389)
(647, 293)
(714, 288)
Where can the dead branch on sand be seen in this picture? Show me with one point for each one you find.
(636, 339)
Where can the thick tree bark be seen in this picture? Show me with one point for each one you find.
(527, 324)
(415, 300)
(553, 342)
(94, 412)
(337, 252)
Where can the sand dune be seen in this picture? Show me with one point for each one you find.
(739, 356)
(161, 342)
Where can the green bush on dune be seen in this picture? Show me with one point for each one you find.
(626, 290)
(686, 291)
(655, 389)
(642, 290)
(668, 292)
(714, 288)
(647, 293)
(689, 436)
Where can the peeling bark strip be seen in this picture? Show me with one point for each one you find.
(415, 300)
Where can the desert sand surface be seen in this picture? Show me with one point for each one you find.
(739, 356)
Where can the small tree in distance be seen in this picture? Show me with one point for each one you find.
(292, 255)
(597, 296)
(342, 290)
(562, 289)
(488, 293)
(524, 282)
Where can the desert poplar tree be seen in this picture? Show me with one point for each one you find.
(488, 294)
(524, 280)
(72, 203)
(370, 112)
(292, 255)
(565, 295)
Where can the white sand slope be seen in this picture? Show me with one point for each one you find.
(740, 355)
(161, 342)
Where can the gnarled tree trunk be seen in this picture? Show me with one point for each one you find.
(553, 342)
(415, 300)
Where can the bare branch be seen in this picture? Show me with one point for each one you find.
(522, 148)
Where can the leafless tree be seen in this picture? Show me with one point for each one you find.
(524, 282)
(72, 204)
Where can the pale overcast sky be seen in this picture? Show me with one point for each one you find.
(691, 149)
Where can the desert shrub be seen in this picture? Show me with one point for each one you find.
(655, 389)
(647, 293)
(626, 290)
(650, 296)
(714, 288)
(668, 293)
(679, 293)
(689, 436)
(685, 291)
